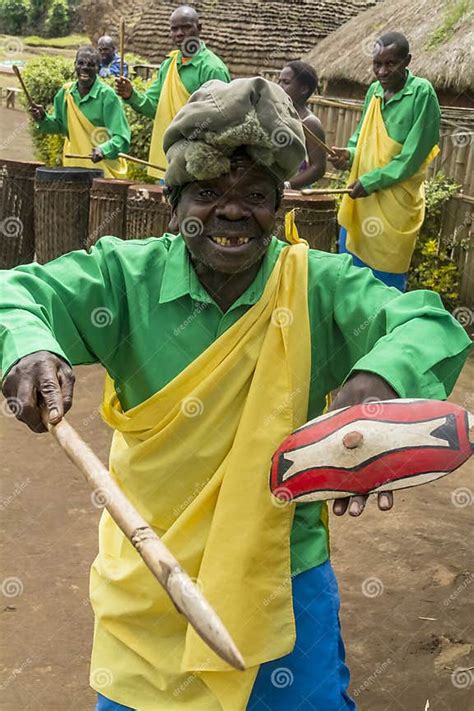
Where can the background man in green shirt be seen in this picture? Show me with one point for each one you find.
(97, 102)
(148, 309)
(195, 64)
(411, 115)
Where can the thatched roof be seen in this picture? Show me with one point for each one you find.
(441, 45)
(249, 36)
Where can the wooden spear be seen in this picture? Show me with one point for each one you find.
(323, 191)
(316, 138)
(183, 592)
(17, 72)
(122, 44)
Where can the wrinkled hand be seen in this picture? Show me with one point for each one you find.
(37, 111)
(362, 387)
(123, 87)
(340, 159)
(357, 190)
(97, 154)
(39, 380)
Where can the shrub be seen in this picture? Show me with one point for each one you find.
(57, 23)
(13, 16)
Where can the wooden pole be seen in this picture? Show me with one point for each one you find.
(315, 138)
(122, 44)
(323, 191)
(121, 155)
(23, 86)
(183, 592)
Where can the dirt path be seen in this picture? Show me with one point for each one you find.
(394, 570)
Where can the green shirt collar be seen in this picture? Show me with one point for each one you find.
(406, 89)
(91, 94)
(180, 278)
(195, 58)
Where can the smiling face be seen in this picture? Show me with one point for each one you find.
(87, 68)
(390, 67)
(227, 222)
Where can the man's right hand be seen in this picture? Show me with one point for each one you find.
(39, 380)
(123, 87)
(38, 112)
(340, 159)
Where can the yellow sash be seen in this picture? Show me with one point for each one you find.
(195, 459)
(382, 228)
(83, 136)
(173, 97)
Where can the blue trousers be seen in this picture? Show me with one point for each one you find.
(399, 281)
(314, 676)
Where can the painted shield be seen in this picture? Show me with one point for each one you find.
(375, 446)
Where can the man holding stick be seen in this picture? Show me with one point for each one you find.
(220, 340)
(183, 72)
(395, 140)
(91, 117)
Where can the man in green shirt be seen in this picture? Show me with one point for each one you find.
(382, 215)
(91, 117)
(159, 315)
(186, 69)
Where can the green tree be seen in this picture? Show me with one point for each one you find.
(57, 22)
(13, 16)
(36, 16)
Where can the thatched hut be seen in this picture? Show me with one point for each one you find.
(251, 37)
(441, 36)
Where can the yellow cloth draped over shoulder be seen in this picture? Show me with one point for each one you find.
(382, 228)
(83, 136)
(195, 460)
(173, 97)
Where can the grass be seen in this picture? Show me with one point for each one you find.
(69, 42)
(455, 13)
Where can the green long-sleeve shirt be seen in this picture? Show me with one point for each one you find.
(201, 67)
(412, 117)
(139, 308)
(102, 107)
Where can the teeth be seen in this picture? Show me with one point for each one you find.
(225, 241)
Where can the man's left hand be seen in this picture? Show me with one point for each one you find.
(97, 155)
(357, 190)
(362, 387)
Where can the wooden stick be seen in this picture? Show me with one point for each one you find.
(323, 191)
(320, 143)
(17, 72)
(122, 44)
(183, 592)
(121, 155)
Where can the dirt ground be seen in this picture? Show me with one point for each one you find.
(406, 578)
